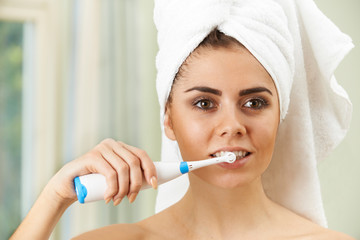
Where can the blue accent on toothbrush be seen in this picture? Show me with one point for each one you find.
(184, 168)
(80, 189)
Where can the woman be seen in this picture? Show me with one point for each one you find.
(223, 98)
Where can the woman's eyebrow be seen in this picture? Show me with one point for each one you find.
(254, 90)
(219, 93)
(205, 89)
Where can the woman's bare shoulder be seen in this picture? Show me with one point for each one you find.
(309, 231)
(298, 227)
(116, 231)
(149, 229)
(327, 234)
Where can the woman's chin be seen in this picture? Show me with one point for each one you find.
(224, 181)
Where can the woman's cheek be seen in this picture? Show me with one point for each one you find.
(193, 140)
(265, 138)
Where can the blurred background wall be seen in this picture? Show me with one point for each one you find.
(74, 72)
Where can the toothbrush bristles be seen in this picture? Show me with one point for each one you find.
(230, 157)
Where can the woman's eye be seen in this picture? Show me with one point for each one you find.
(204, 104)
(256, 103)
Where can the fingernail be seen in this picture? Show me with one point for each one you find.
(132, 197)
(107, 200)
(153, 182)
(117, 201)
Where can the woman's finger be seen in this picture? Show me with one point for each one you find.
(96, 163)
(147, 165)
(136, 176)
(106, 148)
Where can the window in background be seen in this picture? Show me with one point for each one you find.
(11, 37)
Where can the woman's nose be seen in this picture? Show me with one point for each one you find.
(230, 124)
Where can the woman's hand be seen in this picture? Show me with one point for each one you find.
(122, 165)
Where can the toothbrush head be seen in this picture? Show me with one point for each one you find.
(230, 157)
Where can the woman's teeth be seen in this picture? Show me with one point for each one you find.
(238, 154)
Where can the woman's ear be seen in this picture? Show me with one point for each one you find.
(168, 127)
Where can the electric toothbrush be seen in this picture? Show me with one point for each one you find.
(91, 187)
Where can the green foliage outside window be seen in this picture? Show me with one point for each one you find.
(11, 37)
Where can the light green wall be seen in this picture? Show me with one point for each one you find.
(340, 172)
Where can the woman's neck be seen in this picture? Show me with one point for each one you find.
(210, 208)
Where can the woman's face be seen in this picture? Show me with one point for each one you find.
(225, 101)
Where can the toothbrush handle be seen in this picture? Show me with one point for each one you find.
(91, 187)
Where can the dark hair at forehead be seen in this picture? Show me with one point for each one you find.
(215, 39)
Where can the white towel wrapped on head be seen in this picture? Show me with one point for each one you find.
(300, 48)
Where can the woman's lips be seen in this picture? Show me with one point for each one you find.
(239, 162)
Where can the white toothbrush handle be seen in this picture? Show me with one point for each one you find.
(91, 187)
